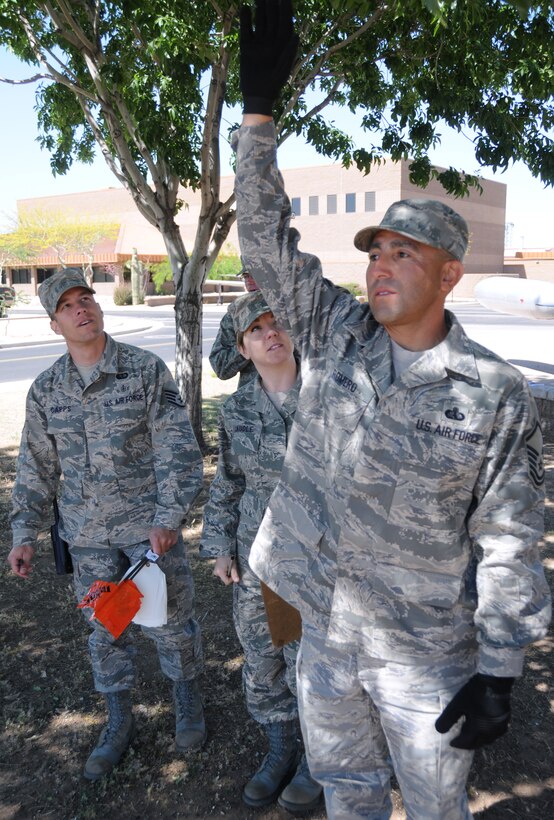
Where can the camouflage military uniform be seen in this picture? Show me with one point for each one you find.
(253, 438)
(128, 461)
(225, 357)
(405, 523)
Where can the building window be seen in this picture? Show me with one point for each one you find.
(331, 203)
(21, 276)
(44, 273)
(313, 205)
(295, 203)
(102, 275)
(370, 200)
(350, 203)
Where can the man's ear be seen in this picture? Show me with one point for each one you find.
(55, 327)
(451, 273)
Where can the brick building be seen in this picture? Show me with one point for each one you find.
(330, 204)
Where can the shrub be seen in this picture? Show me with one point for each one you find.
(354, 288)
(226, 266)
(122, 296)
(161, 273)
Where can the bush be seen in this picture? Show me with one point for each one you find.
(161, 273)
(226, 266)
(353, 288)
(122, 296)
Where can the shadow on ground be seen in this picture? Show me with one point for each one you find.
(51, 715)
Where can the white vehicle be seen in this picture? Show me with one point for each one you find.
(521, 297)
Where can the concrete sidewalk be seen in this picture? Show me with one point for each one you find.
(28, 324)
(20, 328)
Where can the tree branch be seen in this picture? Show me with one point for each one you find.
(53, 73)
(72, 31)
(32, 79)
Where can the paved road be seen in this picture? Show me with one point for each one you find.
(19, 365)
(24, 362)
(527, 343)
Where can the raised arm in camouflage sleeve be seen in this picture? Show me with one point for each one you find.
(221, 513)
(290, 280)
(225, 357)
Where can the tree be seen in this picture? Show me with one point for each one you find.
(14, 246)
(83, 235)
(146, 82)
(10, 250)
(41, 229)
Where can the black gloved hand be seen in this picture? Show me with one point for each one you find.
(266, 54)
(484, 701)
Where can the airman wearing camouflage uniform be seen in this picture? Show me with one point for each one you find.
(225, 357)
(106, 424)
(405, 523)
(253, 436)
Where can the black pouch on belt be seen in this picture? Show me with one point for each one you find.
(62, 557)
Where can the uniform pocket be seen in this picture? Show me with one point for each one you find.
(245, 443)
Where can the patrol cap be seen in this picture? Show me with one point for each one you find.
(426, 220)
(246, 310)
(53, 288)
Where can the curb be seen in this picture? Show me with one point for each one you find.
(7, 342)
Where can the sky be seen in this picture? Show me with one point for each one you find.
(26, 172)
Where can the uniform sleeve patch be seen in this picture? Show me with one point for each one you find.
(173, 397)
(534, 455)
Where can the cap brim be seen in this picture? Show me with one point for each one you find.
(364, 238)
(85, 287)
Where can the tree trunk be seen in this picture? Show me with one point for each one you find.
(188, 353)
(188, 279)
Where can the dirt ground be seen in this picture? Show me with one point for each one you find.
(50, 714)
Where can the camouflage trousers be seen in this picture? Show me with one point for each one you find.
(361, 717)
(178, 643)
(268, 674)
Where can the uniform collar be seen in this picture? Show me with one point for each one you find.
(454, 355)
(263, 403)
(108, 362)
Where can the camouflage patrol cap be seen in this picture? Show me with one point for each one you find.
(246, 310)
(53, 288)
(426, 220)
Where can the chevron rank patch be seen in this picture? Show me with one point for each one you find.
(173, 397)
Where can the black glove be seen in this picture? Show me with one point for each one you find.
(266, 54)
(484, 701)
